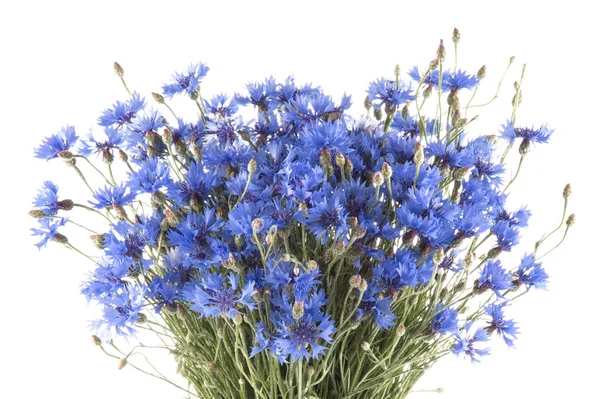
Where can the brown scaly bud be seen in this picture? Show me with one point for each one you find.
(65, 205)
(325, 159)
(118, 69)
(456, 116)
(355, 281)
(258, 225)
(353, 222)
(123, 156)
(456, 36)
(302, 207)
(122, 363)
(153, 138)
(419, 155)
(180, 147)
(363, 285)
(378, 179)
(298, 310)
(390, 109)
(312, 265)
(434, 64)
(441, 51)
(59, 238)
(494, 252)
(66, 155)
(158, 199)
(511, 60)
(150, 151)
(459, 287)
(311, 371)
(368, 103)
(286, 257)
(37, 214)
(377, 113)
(158, 98)
(238, 319)
(171, 217)
(482, 71)
(571, 220)
(514, 101)
(98, 240)
(142, 318)
(427, 92)
(167, 136)
(567, 191)
(120, 213)
(460, 173)
(340, 160)
(252, 166)
(401, 330)
(524, 147)
(404, 112)
(443, 293)
(438, 256)
(453, 100)
(386, 170)
(469, 258)
(365, 346)
(348, 167)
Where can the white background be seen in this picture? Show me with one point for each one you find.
(56, 69)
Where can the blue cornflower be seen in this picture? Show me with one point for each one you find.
(327, 136)
(261, 95)
(47, 199)
(327, 219)
(216, 296)
(461, 80)
(107, 279)
(122, 113)
(304, 284)
(507, 329)
(530, 273)
(378, 307)
(151, 177)
(52, 146)
(151, 122)
(186, 83)
(431, 79)
(241, 217)
(389, 93)
(195, 187)
(121, 312)
(494, 277)
(112, 196)
(445, 321)
(228, 157)
(466, 343)
(114, 139)
(528, 134)
(125, 241)
(507, 236)
(49, 230)
(221, 106)
(449, 155)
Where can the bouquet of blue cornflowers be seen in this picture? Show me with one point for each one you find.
(301, 252)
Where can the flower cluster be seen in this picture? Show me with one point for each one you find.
(303, 226)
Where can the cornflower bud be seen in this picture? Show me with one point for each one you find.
(286, 257)
(404, 112)
(238, 319)
(428, 91)
(453, 100)
(567, 191)
(171, 217)
(401, 330)
(97, 341)
(296, 270)
(325, 158)
(419, 156)
(355, 281)
(443, 293)
(516, 102)
(524, 147)
(456, 36)
(153, 138)
(167, 136)
(158, 98)
(386, 170)
(365, 346)
(123, 156)
(252, 166)
(397, 71)
(441, 51)
(460, 173)
(122, 363)
(142, 318)
(378, 179)
(66, 155)
(340, 160)
(434, 64)
(377, 113)
(459, 287)
(352, 222)
(438, 256)
(348, 167)
(312, 265)
(37, 214)
(298, 310)
(494, 252)
(107, 157)
(482, 71)
(511, 59)
(59, 238)
(311, 371)
(571, 220)
(363, 285)
(302, 207)
(390, 108)
(257, 225)
(118, 69)
(368, 103)
(150, 151)
(98, 240)
(180, 147)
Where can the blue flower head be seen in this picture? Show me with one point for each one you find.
(188, 82)
(445, 321)
(327, 219)
(469, 344)
(49, 231)
(494, 277)
(389, 93)
(507, 329)
(54, 145)
(531, 273)
(122, 113)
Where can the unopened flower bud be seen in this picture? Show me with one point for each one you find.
(524, 147)
(340, 160)
(377, 113)
(434, 64)
(241, 381)
(440, 390)
(386, 170)
(96, 340)
(453, 100)
(571, 220)
(122, 363)
(107, 157)
(158, 98)
(238, 319)
(401, 330)
(286, 257)
(443, 293)
(515, 102)
(153, 138)
(511, 59)
(98, 240)
(365, 346)
(150, 151)
(567, 191)
(459, 287)
(460, 173)
(368, 103)
(378, 179)
(363, 285)
(59, 238)
(419, 156)
(66, 155)
(397, 70)
(180, 147)
(298, 310)
(123, 156)
(438, 256)
(355, 281)
(311, 371)
(65, 205)
(252, 166)
(456, 36)
(118, 69)
(390, 109)
(494, 252)
(257, 225)
(348, 167)
(325, 160)
(441, 51)
(312, 265)
(167, 136)
(37, 214)
(482, 71)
